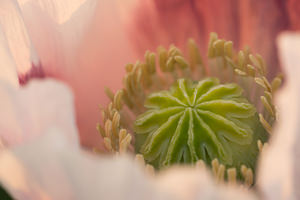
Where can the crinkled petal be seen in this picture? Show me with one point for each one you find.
(15, 32)
(27, 112)
(50, 168)
(279, 169)
(50, 31)
(88, 52)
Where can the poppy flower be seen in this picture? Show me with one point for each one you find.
(57, 51)
(78, 174)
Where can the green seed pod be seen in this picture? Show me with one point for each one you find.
(199, 121)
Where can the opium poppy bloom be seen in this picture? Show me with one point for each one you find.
(84, 44)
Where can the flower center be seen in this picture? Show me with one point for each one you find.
(172, 110)
(199, 121)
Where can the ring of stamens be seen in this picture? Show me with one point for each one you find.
(160, 70)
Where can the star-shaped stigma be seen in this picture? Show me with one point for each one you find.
(199, 121)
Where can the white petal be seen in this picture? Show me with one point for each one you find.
(279, 170)
(17, 36)
(27, 112)
(7, 65)
(49, 168)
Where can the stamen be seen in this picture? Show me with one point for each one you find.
(218, 171)
(124, 141)
(267, 105)
(150, 170)
(261, 146)
(265, 124)
(109, 93)
(195, 58)
(231, 176)
(139, 159)
(200, 164)
(276, 83)
(248, 175)
(215, 166)
(221, 172)
(107, 143)
(116, 139)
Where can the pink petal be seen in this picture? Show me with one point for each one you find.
(17, 36)
(260, 24)
(55, 38)
(59, 11)
(293, 10)
(88, 52)
(102, 56)
(7, 66)
(279, 166)
(50, 168)
(152, 23)
(27, 112)
(249, 22)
